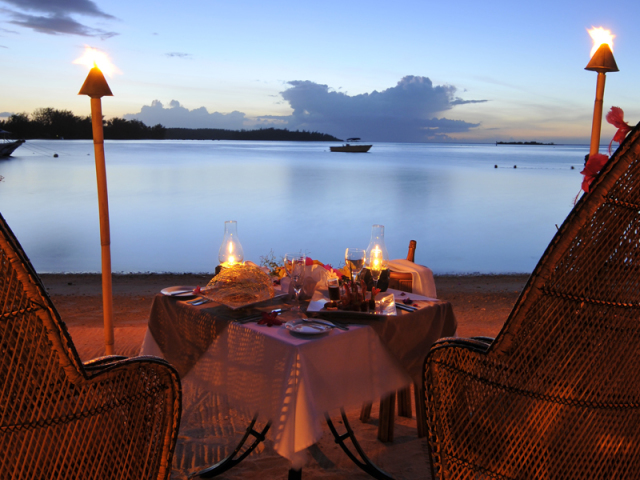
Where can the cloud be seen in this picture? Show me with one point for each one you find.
(177, 116)
(58, 24)
(60, 7)
(57, 19)
(459, 101)
(178, 54)
(407, 112)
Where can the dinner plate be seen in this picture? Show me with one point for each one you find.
(179, 291)
(301, 328)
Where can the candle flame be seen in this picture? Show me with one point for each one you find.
(93, 57)
(599, 36)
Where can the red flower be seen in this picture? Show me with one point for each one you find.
(591, 169)
(270, 319)
(196, 291)
(308, 261)
(616, 118)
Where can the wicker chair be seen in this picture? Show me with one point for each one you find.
(556, 395)
(60, 419)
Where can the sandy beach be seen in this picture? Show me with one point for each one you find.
(481, 304)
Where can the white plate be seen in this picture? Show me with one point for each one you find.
(187, 291)
(301, 328)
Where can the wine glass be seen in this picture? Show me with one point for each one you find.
(354, 258)
(294, 264)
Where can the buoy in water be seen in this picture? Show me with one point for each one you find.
(571, 167)
(515, 166)
(495, 166)
(55, 155)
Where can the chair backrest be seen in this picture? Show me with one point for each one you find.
(556, 395)
(58, 420)
(403, 281)
(35, 344)
(586, 286)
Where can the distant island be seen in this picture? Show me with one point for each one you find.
(523, 143)
(50, 123)
(259, 134)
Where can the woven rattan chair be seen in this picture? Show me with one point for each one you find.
(557, 394)
(112, 418)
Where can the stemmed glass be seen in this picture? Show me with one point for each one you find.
(354, 258)
(294, 264)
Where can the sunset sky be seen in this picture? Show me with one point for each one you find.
(407, 70)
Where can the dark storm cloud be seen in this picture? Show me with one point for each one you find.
(58, 25)
(60, 7)
(178, 116)
(404, 113)
(57, 19)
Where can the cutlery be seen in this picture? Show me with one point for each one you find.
(258, 316)
(199, 301)
(325, 322)
(406, 308)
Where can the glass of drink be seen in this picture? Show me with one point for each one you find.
(333, 285)
(354, 258)
(294, 264)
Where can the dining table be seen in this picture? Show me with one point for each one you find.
(294, 380)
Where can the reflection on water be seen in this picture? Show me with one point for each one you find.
(168, 201)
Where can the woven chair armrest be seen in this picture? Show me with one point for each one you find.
(100, 362)
(477, 344)
(487, 340)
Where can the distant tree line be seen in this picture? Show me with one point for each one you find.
(51, 123)
(523, 143)
(258, 134)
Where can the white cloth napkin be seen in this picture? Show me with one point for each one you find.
(423, 283)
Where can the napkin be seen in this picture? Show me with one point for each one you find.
(422, 277)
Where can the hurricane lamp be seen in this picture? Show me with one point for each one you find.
(377, 256)
(230, 252)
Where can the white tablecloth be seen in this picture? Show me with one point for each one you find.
(294, 380)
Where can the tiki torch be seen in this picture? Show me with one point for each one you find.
(602, 61)
(96, 87)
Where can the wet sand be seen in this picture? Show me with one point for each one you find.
(481, 304)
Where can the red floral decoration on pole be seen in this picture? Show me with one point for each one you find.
(616, 118)
(596, 161)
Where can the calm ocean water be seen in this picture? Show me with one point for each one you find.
(168, 202)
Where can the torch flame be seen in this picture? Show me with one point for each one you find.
(93, 57)
(599, 36)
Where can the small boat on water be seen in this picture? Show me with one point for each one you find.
(7, 147)
(347, 147)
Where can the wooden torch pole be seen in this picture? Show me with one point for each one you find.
(596, 127)
(96, 87)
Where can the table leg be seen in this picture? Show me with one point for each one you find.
(387, 418)
(365, 412)
(231, 461)
(404, 402)
(295, 474)
(421, 410)
(364, 463)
